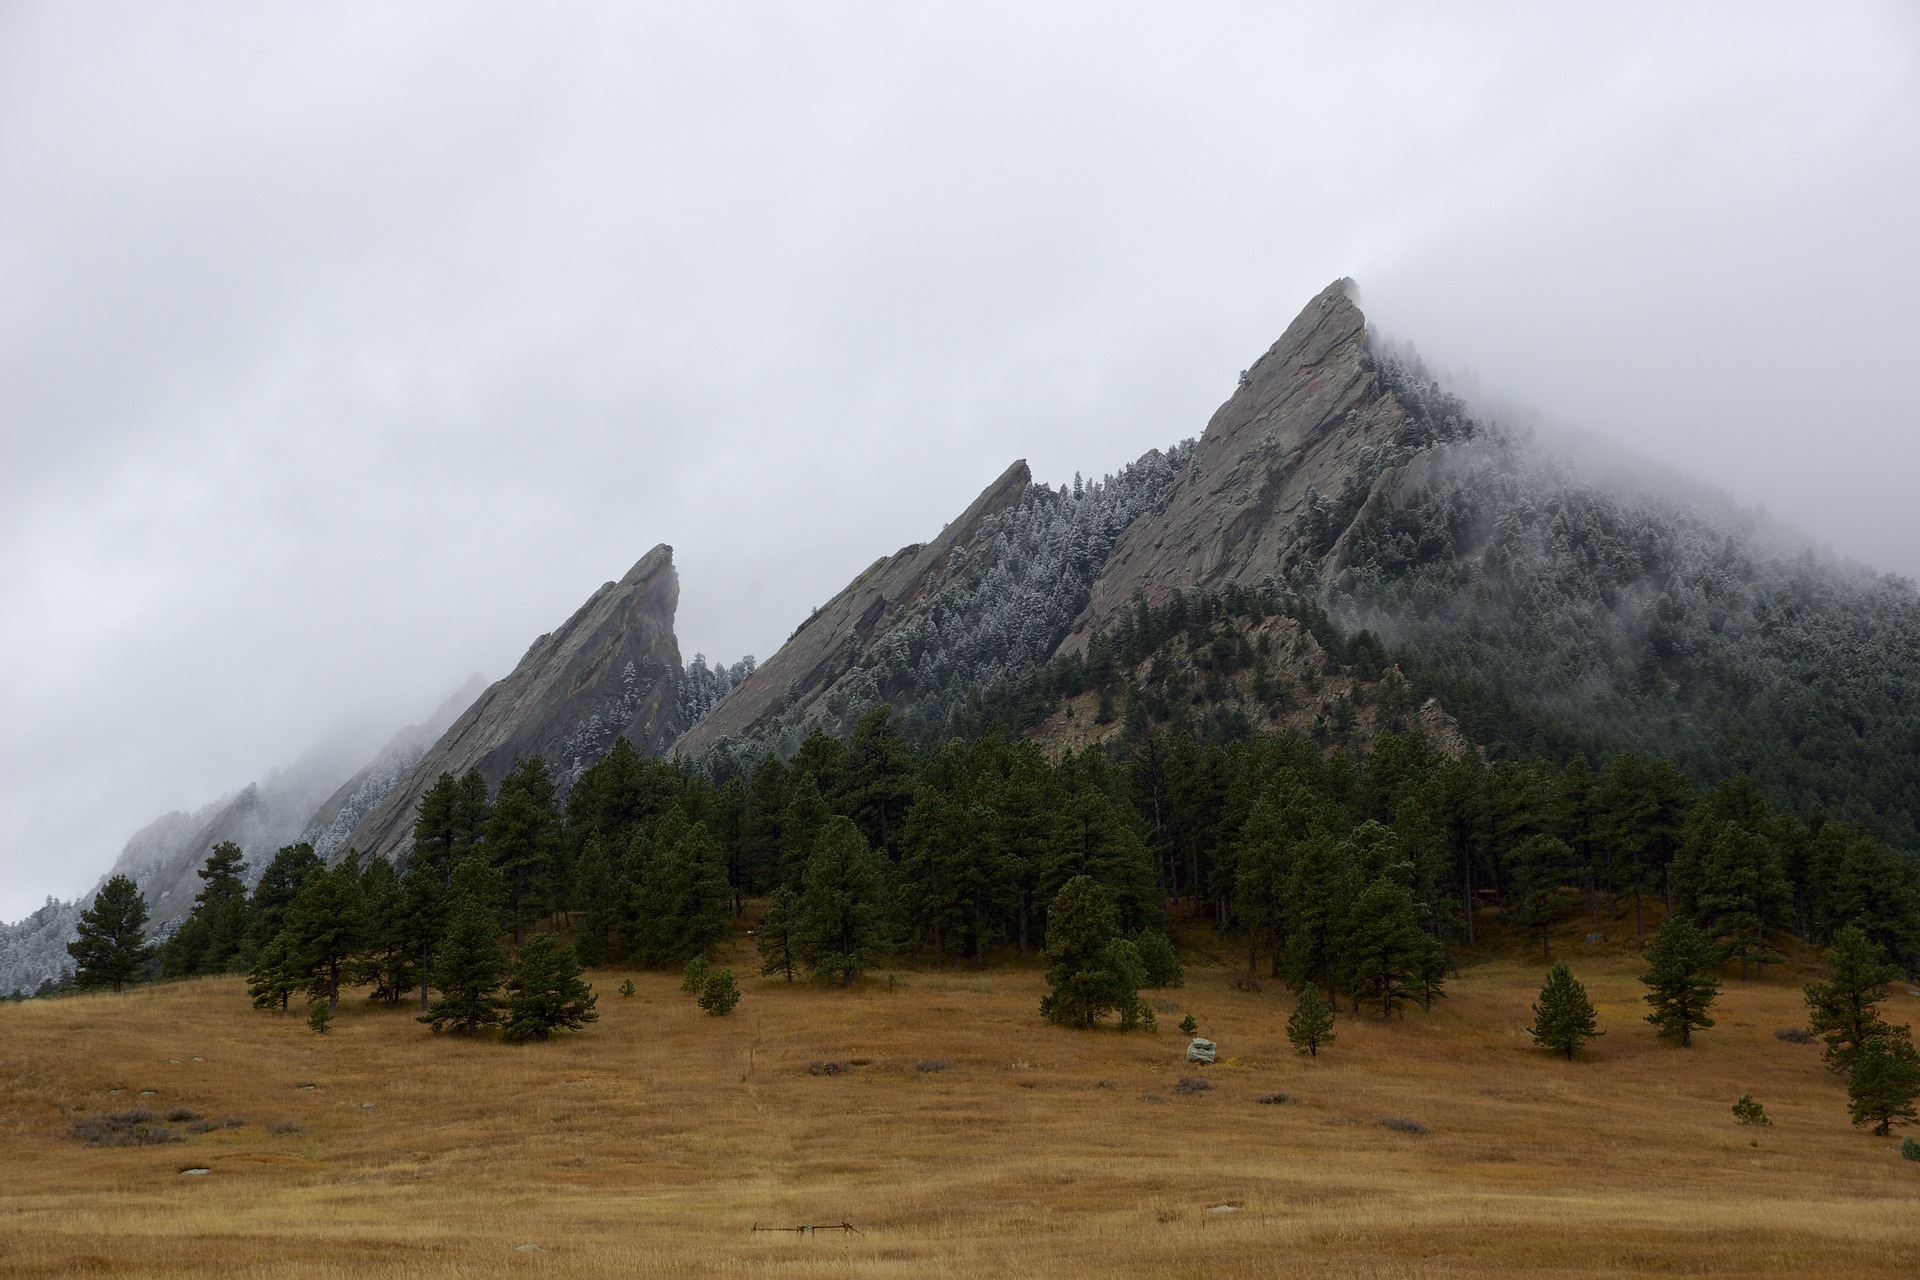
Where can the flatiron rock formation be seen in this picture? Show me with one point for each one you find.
(1309, 415)
(613, 669)
(820, 659)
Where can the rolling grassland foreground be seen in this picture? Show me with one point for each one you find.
(953, 1129)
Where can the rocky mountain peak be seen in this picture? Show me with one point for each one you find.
(1298, 427)
(612, 669)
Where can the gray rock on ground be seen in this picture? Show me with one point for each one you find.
(1200, 1051)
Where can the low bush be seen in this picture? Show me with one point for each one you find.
(1273, 1099)
(135, 1128)
(1793, 1035)
(1909, 1149)
(826, 1068)
(930, 1064)
(1192, 1084)
(1747, 1111)
(1400, 1124)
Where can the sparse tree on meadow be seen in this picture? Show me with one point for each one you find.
(545, 993)
(276, 974)
(112, 945)
(1681, 985)
(1844, 1010)
(1884, 1082)
(320, 1015)
(720, 993)
(1091, 969)
(1311, 1023)
(469, 965)
(326, 926)
(1563, 1020)
(213, 937)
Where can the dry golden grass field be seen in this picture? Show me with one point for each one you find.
(652, 1144)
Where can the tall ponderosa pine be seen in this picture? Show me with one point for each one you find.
(1741, 895)
(522, 840)
(1541, 866)
(1844, 1010)
(1681, 985)
(469, 965)
(276, 973)
(1884, 1082)
(326, 925)
(776, 940)
(213, 937)
(1563, 1019)
(292, 867)
(1091, 969)
(1385, 956)
(683, 896)
(546, 994)
(387, 960)
(842, 908)
(112, 946)
(1310, 1025)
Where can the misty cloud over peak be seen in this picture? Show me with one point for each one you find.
(344, 351)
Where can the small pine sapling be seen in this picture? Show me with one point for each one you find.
(694, 980)
(1563, 1020)
(319, 1016)
(1909, 1149)
(1311, 1024)
(1747, 1111)
(1188, 1027)
(626, 988)
(719, 994)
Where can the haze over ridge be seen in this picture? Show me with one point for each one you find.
(349, 354)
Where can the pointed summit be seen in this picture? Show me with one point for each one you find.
(613, 668)
(1297, 425)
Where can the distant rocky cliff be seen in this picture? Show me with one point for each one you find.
(1310, 416)
(612, 669)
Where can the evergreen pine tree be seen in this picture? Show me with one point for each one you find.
(1741, 896)
(545, 993)
(469, 964)
(112, 944)
(1382, 947)
(1681, 985)
(842, 906)
(1884, 1082)
(213, 937)
(276, 974)
(522, 836)
(775, 939)
(422, 917)
(386, 961)
(683, 896)
(1311, 1023)
(292, 867)
(1540, 866)
(326, 926)
(1844, 1010)
(1563, 1020)
(1091, 969)
(693, 978)
(719, 994)
(320, 1015)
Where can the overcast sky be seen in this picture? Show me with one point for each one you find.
(346, 349)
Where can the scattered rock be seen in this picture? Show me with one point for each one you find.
(366, 1106)
(827, 1068)
(194, 1172)
(1595, 939)
(1227, 1207)
(1200, 1050)
(1151, 1097)
(531, 1248)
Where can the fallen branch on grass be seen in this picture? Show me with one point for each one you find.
(810, 1228)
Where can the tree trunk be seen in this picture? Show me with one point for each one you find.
(1466, 879)
(1024, 896)
(1639, 912)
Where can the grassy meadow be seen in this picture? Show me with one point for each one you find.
(964, 1137)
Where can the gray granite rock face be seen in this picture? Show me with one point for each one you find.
(1200, 1050)
(612, 669)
